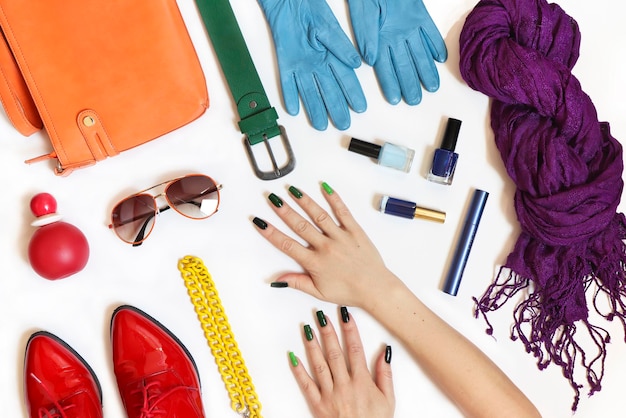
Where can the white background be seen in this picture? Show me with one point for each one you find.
(267, 322)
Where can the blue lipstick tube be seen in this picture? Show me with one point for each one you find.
(465, 241)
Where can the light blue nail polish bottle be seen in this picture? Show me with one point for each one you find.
(388, 154)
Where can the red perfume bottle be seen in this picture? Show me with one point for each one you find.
(57, 249)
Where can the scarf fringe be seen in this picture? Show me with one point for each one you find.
(535, 328)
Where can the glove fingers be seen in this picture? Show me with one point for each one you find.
(346, 80)
(387, 78)
(364, 16)
(290, 93)
(312, 101)
(335, 102)
(329, 33)
(420, 50)
(340, 46)
(398, 76)
(434, 42)
(331, 94)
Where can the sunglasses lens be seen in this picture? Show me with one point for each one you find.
(133, 218)
(195, 196)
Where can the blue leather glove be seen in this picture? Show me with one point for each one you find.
(400, 39)
(316, 60)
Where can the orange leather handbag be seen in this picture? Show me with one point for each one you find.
(100, 76)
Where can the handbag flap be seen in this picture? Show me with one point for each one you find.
(14, 94)
(105, 76)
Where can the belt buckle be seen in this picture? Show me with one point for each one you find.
(277, 171)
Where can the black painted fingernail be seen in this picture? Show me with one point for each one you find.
(276, 201)
(345, 317)
(388, 354)
(260, 223)
(321, 318)
(308, 332)
(295, 192)
(279, 284)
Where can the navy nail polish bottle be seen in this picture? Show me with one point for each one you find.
(444, 160)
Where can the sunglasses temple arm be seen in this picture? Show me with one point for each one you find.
(140, 235)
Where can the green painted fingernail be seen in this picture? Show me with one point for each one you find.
(293, 359)
(295, 192)
(260, 223)
(276, 201)
(321, 318)
(308, 332)
(327, 188)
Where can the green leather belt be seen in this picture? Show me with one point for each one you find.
(257, 117)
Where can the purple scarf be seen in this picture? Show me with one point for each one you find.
(568, 171)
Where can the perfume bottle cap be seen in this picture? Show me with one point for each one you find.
(451, 134)
(364, 148)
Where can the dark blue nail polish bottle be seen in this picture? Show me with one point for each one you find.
(444, 160)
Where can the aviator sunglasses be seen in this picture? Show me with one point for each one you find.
(194, 196)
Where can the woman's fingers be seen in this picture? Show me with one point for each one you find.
(341, 211)
(333, 389)
(283, 242)
(353, 344)
(299, 281)
(320, 369)
(296, 222)
(307, 385)
(332, 350)
(316, 213)
(326, 357)
(384, 377)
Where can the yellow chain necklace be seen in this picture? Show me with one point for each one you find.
(206, 301)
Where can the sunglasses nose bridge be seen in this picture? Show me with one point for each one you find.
(158, 195)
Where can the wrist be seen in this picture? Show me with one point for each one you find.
(382, 293)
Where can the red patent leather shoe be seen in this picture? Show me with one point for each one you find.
(58, 383)
(156, 375)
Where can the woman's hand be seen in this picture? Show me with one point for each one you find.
(341, 386)
(341, 264)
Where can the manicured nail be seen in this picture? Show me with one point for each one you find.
(293, 359)
(260, 223)
(308, 332)
(295, 192)
(345, 317)
(276, 201)
(388, 354)
(279, 284)
(327, 188)
(321, 318)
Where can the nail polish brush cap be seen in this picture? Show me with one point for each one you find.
(451, 134)
(364, 148)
